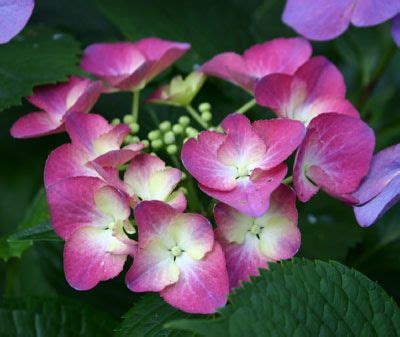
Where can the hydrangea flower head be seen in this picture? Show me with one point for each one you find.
(380, 190)
(334, 156)
(326, 19)
(90, 216)
(129, 66)
(242, 166)
(179, 92)
(316, 87)
(57, 101)
(178, 257)
(283, 55)
(249, 243)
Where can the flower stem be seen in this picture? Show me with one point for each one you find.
(246, 107)
(288, 180)
(196, 116)
(135, 105)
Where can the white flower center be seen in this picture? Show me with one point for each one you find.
(176, 251)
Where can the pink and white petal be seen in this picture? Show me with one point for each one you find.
(83, 99)
(282, 55)
(318, 20)
(115, 158)
(112, 202)
(112, 139)
(322, 79)
(203, 285)
(229, 67)
(243, 260)
(281, 137)
(371, 211)
(373, 12)
(335, 155)
(162, 52)
(88, 259)
(177, 200)
(72, 205)
(153, 219)
(396, 29)
(84, 129)
(384, 168)
(242, 146)
(280, 237)
(110, 175)
(153, 268)
(232, 226)
(64, 162)
(14, 15)
(192, 233)
(200, 159)
(36, 124)
(112, 62)
(162, 183)
(275, 92)
(251, 195)
(139, 171)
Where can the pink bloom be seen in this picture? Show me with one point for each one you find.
(13, 17)
(90, 216)
(147, 178)
(316, 87)
(129, 66)
(327, 19)
(242, 166)
(334, 156)
(56, 102)
(178, 257)
(379, 191)
(95, 149)
(276, 56)
(249, 243)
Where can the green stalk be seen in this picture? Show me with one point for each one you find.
(196, 116)
(246, 107)
(288, 180)
(135, 105)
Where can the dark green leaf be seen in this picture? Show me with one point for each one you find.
(42, 232)
(304, 298)
(38, 56)
(34, 317)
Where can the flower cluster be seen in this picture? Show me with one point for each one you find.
(110, 198)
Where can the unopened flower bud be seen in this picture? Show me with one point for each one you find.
(177, 129)
(191, 132)
(128, 119)
(116, 121)
(204, 107)
(155, 134)
(165, 126)
(184, 176)
(169, 138)
(184, 121)
(128, 139)
(206, 116)
(135, 140)
(183, 189)
(172, 149)
(134, 127)
(156, 144)
(145, 143)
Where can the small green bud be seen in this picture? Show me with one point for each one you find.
(177, 129)
(204, 107)
(172, 149)
(128, 119)
(156, 144)
(183, 189)
(184, 121)
(206, 116)
(135, 140)
(134, 127)
(165, 126)
(184, 176)
(191, 132)
(169, 137)
(128, 139)
(153, 135)
(145, 143)
(116, 121)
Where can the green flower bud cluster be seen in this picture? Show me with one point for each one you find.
(205, 109)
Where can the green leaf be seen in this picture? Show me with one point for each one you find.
(210, 26)
(38, 56)
(9, 250)
(148, 317)
(34, 317)
(304, 298)
(42, 232)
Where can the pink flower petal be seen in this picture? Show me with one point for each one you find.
(148, 178)
(396, 29)
(335, 156)
(200, 159)
(202, 286)
(242, 146)
(251, 195)
(318, 20)
(115, 158)
(13, 17)
(177, 200)
(35, 124)
(373, 12)
(281, 137)
(72, 205)
(113, 203)
(64, 162)
(88, 258)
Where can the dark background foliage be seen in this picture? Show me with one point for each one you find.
(48, 51)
